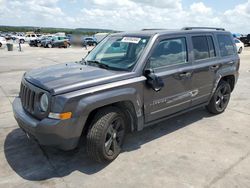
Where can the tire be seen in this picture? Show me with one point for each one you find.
(106, 134)
(39, 44)
(240, 50)
(0, 44)
(50, 46)
(220, 99)
(67, 45)
(22, 41)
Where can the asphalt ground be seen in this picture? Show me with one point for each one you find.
(192, 150)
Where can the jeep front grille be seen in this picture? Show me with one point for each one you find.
(28, 98)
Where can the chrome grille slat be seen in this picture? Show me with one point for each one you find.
(25, 98)
(28, 98)
(32, 98)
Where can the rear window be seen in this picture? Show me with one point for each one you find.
(226, 45)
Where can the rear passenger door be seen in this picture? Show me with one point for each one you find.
(205, 64)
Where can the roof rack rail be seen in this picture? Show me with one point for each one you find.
(151, 29)
(214, 28)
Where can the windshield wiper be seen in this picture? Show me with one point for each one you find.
(105, 66)
(102, 65)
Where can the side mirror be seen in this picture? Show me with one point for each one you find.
(153, 80)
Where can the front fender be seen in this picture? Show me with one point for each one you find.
(87, 104)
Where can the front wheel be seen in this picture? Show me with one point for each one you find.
(220, 99)
(106, 135)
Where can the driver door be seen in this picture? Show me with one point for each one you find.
(169, 62)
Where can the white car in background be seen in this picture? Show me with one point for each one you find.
(2, 42)
(21, 38)
(30, 37)
(239, 45)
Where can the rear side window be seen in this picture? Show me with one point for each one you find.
(203, 47)
(169, 52)
(211, 46)
(226, 45)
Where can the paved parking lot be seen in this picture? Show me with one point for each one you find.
(192, 150)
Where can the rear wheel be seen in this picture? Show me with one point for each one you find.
(49, 45)
(220, 99)
(106, 135)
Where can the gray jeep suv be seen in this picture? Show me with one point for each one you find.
(127, 82)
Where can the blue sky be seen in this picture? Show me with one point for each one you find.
(219, 5)
(127, 14)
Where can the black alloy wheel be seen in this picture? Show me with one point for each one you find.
(220, 99)
(114, 137)
(106, 134)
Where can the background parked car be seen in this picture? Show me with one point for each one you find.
(2, 42)
(246, 40)
(56, 41)
(38, 41)
(29, 37)
(90, 41)
(239, 45)
(19, 37)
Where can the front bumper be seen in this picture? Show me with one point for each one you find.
(49, 132)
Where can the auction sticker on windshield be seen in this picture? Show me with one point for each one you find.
(131, 40)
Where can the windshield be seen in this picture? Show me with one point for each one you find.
(118, 53)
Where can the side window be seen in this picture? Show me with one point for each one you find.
(226, 45)
(200, 47)
(169, 52)
(33, 35)
(211, 46)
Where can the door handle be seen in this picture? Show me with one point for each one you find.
(185, 74)
(230, 63)
(214, 67)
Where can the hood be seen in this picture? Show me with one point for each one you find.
(68, 77)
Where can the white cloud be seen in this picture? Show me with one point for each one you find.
(170, 4)
(238, 17)
(200, 8)
(123, 14)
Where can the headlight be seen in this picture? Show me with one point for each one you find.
(44, 102)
